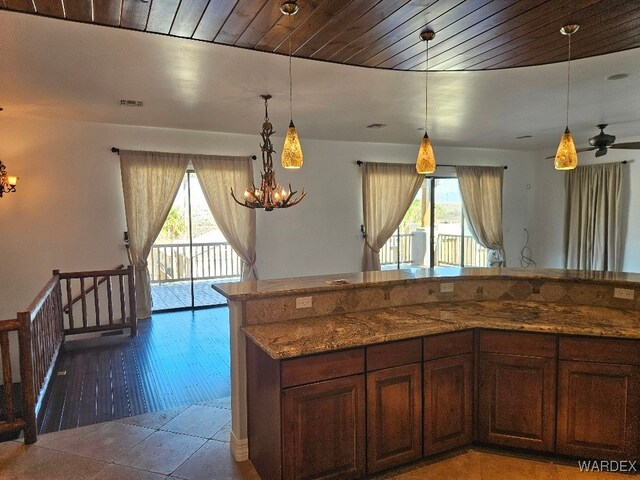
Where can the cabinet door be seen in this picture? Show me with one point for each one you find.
(324, 429)
(598, 409)
(394, 417)
(517, 397)
(448, 400)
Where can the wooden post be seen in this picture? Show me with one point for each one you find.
(26, 374)
(133, 314)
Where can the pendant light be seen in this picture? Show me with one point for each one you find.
(291, 151)
(566, 156)
(426, 162)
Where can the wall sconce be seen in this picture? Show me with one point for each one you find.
(7, 183)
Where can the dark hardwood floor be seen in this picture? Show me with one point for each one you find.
(177, 359)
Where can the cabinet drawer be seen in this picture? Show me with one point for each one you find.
(448, 345)
(394, 354)
(325, 366)
(603, 350)
(516, 343)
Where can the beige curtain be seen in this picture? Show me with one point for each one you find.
(217, 174)
(150, 182)
(387, 192)
(592, 218)
(481, 191)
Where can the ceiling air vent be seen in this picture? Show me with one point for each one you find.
(377, 125)
(131, 103)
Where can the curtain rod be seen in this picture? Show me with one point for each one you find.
(117, 150)
(360, 162)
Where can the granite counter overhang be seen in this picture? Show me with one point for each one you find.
(337, 332)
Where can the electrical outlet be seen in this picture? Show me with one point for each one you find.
(446, 288)
(624, 293)
(304, 302)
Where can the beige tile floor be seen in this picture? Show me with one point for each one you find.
(192, 443)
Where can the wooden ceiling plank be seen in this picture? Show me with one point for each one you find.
(161, 16)
(188, 18)
(445, 34)
(237, 22)
(107, 12)
(358, 27)
(78, 10)
(503, 21)
(412, 38)
(405, 13)
(266, 19)
(593, 20)
(521, 27)
(20, 5)
(213, 18)
(325, 24)
(304, 29)
(50, 8)
(135, 14)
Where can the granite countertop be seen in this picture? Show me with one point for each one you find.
(324, 283)
(321, 334)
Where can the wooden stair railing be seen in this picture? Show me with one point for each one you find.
(92, 287)
(122, 304)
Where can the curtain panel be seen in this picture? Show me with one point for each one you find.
(481, 191)
(150, 182)
(592, 218)
(387, 192)
(217, 174)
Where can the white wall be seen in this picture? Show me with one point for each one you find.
(547, 207)
(68, 211)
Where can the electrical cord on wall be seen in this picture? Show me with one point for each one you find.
(526, 259)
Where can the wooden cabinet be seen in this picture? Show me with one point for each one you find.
(394, 404)
(599, 398)
(448, 391)
(517, 390)
(324, 429)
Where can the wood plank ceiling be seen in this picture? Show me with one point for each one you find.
(470, 35)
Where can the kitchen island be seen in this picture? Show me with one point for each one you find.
(457, 337)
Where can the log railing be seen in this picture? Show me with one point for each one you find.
(111, 310)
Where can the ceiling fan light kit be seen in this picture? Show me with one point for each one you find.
(566, 155)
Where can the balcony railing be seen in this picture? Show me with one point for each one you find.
(449, 252)
(396, 250)
(175, 262)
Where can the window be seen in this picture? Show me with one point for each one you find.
(434, 231)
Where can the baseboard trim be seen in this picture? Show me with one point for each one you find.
(239, 448)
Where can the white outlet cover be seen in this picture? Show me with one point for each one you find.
(624, 293)
(446, 287)
(304, 302)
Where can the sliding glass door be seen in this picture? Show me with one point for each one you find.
(190, 254)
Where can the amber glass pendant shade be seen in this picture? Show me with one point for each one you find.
(566, 156)
(426, 162)
(292, 151)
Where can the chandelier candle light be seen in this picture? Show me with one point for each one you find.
(7, 182)
(426, 162)
(291, 151)
(270, 195)
(566, 156)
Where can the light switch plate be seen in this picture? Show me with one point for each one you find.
(304, 302)
(446, 288)
(624, 293)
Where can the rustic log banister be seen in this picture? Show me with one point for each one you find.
(77, 298)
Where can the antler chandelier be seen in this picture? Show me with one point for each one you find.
(7, 182)
(270, 195)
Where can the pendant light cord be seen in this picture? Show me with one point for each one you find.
(426, 96)
(568, 78)
(290, 76)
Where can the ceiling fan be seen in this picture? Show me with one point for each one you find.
(602, 142)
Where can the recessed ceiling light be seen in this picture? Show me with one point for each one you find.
(377, 125)
(524, 136)
(131, 103)
(618, 76)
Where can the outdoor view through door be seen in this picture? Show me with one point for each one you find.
(190, 253)
(434, 231)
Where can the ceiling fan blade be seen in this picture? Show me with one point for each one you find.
(629, 145)
(601, 152)
(585, 149)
